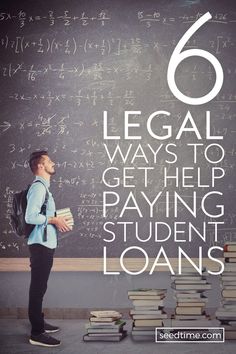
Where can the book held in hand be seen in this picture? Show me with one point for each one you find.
(66, 213)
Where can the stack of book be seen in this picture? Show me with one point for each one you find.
(189, 290)
(105, 326)
(148, 312)
(226, 314)
(66, 213)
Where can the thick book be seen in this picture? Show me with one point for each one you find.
(188, 295)
(148, 323)
(188, 310)
(148, 302)
(230, 267)
(225, 312)
(229, 293)
(230, 247)
(149, 317)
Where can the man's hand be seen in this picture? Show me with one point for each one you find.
(60, 222)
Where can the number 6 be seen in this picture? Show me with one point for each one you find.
(177, 57)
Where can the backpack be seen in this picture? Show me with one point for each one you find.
(19, 226)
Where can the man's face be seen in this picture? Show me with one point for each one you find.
(48, 165)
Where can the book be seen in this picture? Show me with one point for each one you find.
(229, 293)
(143, 333)
(148, 303)
(230, 254)
(144, 291)
(145, 312)
(229, 267)
(192, 281)
(106, 314)
(230, 247)
(102, 330)
(191, 304)
(223, 312)
(230, 260)
(147, 308)
(148, 322)
(149, 317)
(66, 213)
(191, 286)
(190, 317)
(104, 337)
(188, 295)
(186, 277)
(188, 310)
(142, 328)
(102, 319)
(146, 297)
(203, 299)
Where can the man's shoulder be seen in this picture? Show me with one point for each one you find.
(37, 187)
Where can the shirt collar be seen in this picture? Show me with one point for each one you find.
(43, 180)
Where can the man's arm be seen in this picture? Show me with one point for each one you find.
(60, 223)
(35, 200)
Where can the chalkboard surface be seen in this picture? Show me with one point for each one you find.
(63, 63)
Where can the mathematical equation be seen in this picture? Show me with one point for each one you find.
(97, 71)
(100, 72)
(22, 18)
(92, 98)
(156, 17)
(72, 46)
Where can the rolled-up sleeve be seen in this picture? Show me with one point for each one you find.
(35, 199)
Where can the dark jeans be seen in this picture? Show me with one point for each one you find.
(41, 260)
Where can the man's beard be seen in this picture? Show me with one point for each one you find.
(51, 173)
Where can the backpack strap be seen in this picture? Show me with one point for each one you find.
(44, 209)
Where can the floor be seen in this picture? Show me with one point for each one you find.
(14, 340)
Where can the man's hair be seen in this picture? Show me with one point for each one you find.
(36, 158)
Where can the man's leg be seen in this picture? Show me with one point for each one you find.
(41, 260)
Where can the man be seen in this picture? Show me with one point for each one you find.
(42, 242)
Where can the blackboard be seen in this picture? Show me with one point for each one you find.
(63, 64)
